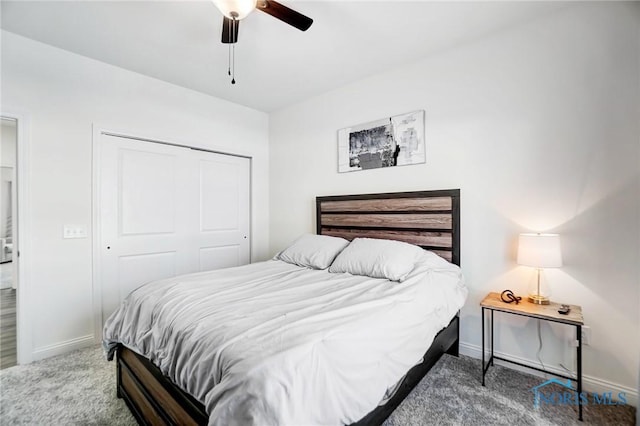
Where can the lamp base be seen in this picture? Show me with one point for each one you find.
(538, 299)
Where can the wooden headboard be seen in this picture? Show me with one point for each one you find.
(429, 219)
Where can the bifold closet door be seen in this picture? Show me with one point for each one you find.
(167, 211)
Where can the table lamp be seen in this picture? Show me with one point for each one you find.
(539, 251)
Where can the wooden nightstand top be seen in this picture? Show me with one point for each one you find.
(546, 312)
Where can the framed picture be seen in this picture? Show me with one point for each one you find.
(388, 142)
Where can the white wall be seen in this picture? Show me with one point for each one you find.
(538, 125)
(64, 95)
(7, 143)
(7, 163)
(8, 134)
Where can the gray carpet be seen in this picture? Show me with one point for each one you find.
(74, 389)
(452, 394)
(79, 389)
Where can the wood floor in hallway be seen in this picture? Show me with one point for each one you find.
(8, 346)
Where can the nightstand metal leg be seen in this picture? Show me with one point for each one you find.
(491, 359)
(579, 361)
(483, 370)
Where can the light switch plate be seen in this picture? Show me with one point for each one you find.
(74, 231)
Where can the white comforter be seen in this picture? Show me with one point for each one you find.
(273, 343)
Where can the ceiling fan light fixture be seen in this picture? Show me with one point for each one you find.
(235, 9)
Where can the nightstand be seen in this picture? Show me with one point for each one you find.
(542, 312)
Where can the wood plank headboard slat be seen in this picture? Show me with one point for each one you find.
(384, 220)
(419, 238)
(445, 254)
(393, 204)
(430, 219)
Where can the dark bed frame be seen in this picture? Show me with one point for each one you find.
(430, 219)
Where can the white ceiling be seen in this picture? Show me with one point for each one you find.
(276, 65)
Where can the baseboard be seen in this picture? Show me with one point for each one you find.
(590, 383)
(63, 347)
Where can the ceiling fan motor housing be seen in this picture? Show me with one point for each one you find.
(235, 9)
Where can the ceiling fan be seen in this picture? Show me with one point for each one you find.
(236, 10)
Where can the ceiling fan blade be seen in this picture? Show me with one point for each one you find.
(230, 30)
(283, 13)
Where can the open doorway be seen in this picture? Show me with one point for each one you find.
(8, 258)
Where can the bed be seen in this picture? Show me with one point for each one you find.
(429, 219)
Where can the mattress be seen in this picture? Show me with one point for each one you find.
(275, 343)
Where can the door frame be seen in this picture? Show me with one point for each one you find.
(22, 242)
(96, 243)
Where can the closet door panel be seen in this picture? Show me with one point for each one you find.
(167, 211)
(224, 211)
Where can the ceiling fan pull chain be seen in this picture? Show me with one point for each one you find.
(233, 51)
(229, 61)
(233, 67)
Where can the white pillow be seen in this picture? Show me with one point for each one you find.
(313, 251)
(393, 260)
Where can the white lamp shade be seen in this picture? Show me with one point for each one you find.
(539, 250)
(241, 7)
